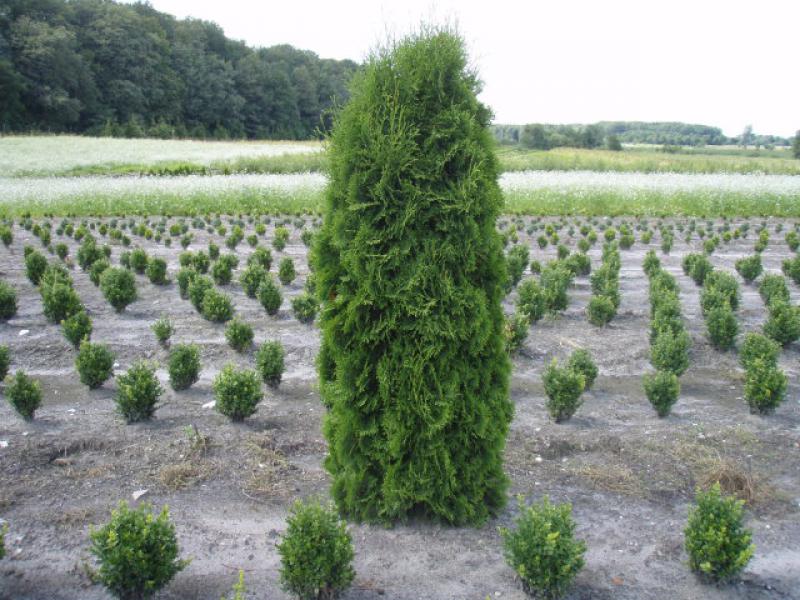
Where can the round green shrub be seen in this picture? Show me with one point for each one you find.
(304, 307)
(542, 548)
(530, 300)
(749, 268)
(581, 361)
(5, 361)
(286, 272)
(137, 552)
(563, 387)
(118, 287)
(281, 237)
(35, 264)
(88, 253)
(163, 330)
(222, 270)
(199, 285)
(411, 271)
(718, 544)
(237, 392)
(8, 301)
(94, 363)
(217, 307)
(252, 278)
(97, 269)
(138, 260)
(138, 391)
(760, 346)
(77, 328)
(662, 389)
(578, 264)
(239, 335)
(791, 268)
(515, 332)
(184, 278)
(773, 288)
(260, 256)
(24, 393)
(670, 351)
(601, 310)
(184, 366)
(722, 327)
(651, 264)
(157, 271)
(270, 362)
(555, 280)
(59, 300)
(269, 295)
(316, 553)
(783, 323)
(764, 386)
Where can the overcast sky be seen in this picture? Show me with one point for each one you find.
(725, 63)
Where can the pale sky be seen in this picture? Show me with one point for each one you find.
(725, 63)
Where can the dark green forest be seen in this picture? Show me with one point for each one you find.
(544, 136)
(98, 67)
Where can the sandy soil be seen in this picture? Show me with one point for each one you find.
(629, 475)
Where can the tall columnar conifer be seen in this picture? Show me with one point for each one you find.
(410, 272)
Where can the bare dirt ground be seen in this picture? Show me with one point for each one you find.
(629, 475)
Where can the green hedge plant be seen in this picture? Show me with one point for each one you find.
(8, 301)
(662, 389)
(269, 295)
(563, 387)
(138, 390)
(24, 394)
(77, 328)
(118, 287)
(183, 366)
(581, 361)
(764, 386)
(94, 363)
(270, 362)
(239, 335)
(237, 392)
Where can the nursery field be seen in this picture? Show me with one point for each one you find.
(630, 475)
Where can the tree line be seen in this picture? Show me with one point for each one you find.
(103, 68)
(612, 133)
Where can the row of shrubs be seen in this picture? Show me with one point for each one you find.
(137, 552)
(669, 340)
(605, 299)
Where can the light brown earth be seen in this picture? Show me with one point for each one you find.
(629, 475)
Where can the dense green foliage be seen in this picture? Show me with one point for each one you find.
(764, 386)
(163, 330)
(239, 335)
(137, 552)
(217, 307)
(530, 300)
(411, 272)
(138, 390)
(581, 361)
(24, 393)
(77, 328)
(542, 548)
(304, 307)
(662, 389)
(183, 366)
(756, 345)
(119, 287)
(783, 323)
(109, 68)
(316, 553)
(718, 544)
(269, 295)
(5, 361)
(94, 363)
(237, 392)
(563, 387)
(270, 362)
(8, 301)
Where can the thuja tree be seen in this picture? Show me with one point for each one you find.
(411, 272)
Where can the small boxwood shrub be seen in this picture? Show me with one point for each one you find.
(184, 278)
(198, 287)
(163, 330)
(316, 552)
(184, 366)
(157, 271)
(222, 270)
(581, 361)
(601, 310)
(530, 300)
(760, 346)
(542, 548)
(239, 335)
(62, 250)
(555, 280)
(269, 295)
(24, 394)
(670, 351)
(270, 362)
(578, 264)
(516, 331)
(237, 392)
(662, 389)
(281, 236)
(718, 544)
(88, 253)
(5, 361)
(749, 268)
(138, 260)
(213, 251)
(783, 323)
(252, 278)
(773, 288)
(138, 391)
(304, 307)
(94, 363)
(8, 301)
(217, 307)
(137, 552)
(260, 256)
(722, 327)
(77, 328)
(118, 287)
(35, 264)
(764, 386)
(286, 272)
(563, 387)
(59, 300)
(791, 268)
(97, 269)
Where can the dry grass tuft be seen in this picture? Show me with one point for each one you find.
(734, 480)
